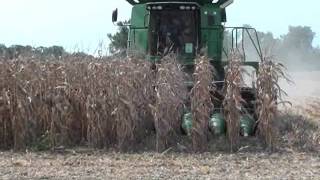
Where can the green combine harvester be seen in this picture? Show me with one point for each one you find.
(188, 28)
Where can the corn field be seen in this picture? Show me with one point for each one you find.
(119, 103)
(86, 101)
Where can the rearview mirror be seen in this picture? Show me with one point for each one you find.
(115, 16)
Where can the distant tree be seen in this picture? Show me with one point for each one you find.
(40, 50)
(56, 51)
(267, 40)
(119, 39)
(29, 49)
(299, 38)
(11, 52)
(3, 50)
(16, 51)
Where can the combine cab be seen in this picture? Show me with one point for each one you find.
(189, 28)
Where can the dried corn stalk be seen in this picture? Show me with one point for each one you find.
(201, 103)
(72, 101)
(119, 102)
(232, 102)
(268, 92)
(79, 100)
(171, 94)
(134, 91)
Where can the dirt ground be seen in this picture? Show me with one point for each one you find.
(95, 165)
(303, 93)
(88, 164)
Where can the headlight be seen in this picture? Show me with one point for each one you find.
(188, 7)
(182, 7)
(159, 7)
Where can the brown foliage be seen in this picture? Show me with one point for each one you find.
(83, 100)
(170, 97)
(201, 103)
(268, 93)
(233, 101)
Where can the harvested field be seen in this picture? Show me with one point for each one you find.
(96, 165)
(304, 93)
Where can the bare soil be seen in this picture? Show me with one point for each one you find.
(99, 165)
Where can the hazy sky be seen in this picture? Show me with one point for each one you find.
(83, 24)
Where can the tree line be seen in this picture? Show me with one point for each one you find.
(16, 51)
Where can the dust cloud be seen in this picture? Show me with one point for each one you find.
(304, 90)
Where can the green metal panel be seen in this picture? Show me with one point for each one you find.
(247, 124)
(138, 36)
(187, 123)
(217, 124)
(212, 31)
